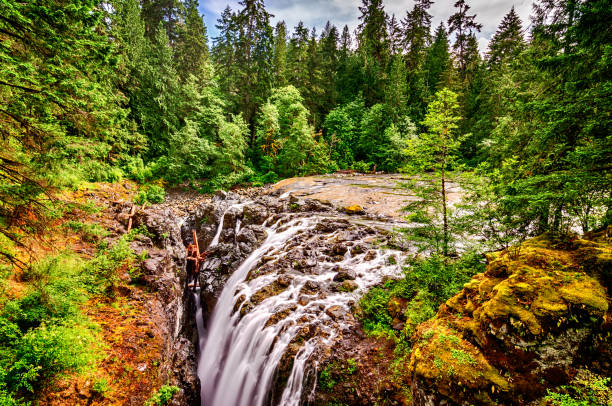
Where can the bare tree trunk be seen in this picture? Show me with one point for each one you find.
(444, 216)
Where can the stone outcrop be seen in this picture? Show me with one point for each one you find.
(163, 273)
(537, 315)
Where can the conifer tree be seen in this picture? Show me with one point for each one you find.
(157, 101)
(437, 61)
(396, 92)
(224, 55)
(464, 26)
(313, 93)
(416, 33)
(58, 102)
(253, 56)
(395, 35)
(508, 41)
(192, 42)
(373, 48)
(348, 72)
(328, 51)
(436, 150)
(280, 54)
(298, 57)
(167, 12)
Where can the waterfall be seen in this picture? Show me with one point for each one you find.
(243, 347)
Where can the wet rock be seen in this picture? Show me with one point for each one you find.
(370, 255)
(349, 286)
(254, 214)
(220, 195)
(344, 274)
(335, 312)
(358, 249)
(354, 209)
(339, 249)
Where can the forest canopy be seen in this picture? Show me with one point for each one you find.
(100, 91)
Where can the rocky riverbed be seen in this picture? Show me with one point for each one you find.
(286, 267)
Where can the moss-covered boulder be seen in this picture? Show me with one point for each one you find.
(526, 324)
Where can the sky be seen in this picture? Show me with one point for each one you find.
(315, 13)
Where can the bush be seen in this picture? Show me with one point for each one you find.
(426, 285)
(90, 232)
(586, 389)
(47, 352)
(162, 396)
(150, 194)
(361, 166)
(100, 386)
(135, 169)
(101, 272)
(96, 171)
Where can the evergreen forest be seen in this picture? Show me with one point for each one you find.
(101, 91)
(139, 90)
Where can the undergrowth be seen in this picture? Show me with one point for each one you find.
(43, 333)
(426, 285)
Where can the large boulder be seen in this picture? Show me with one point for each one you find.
(528, 323)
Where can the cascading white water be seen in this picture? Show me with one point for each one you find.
(215, 239)
(240, 355)
(224, 378)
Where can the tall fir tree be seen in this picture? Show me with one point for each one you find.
(157, 102)
(349, 72)
(314, 90)
(168, 12)
(373, 42)
(191, 47)
(416, 33)
(329, 55)
(280, 54)
(224, 56)
(396, 42)
(254, 57)
(298, 56)
(397, 88)
(508, 41)
(463, 26)
(438, 61)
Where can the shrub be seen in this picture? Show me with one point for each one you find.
(162, 396)
(90, 232)
(426, 285)
(586, 389)
(135, 169)
(46, 352)
(96, 171)
(326, 381)
(150, 194)
(100, 386)
(101, 271)
(360, 166)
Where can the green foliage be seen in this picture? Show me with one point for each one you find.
(90, 232)
(427, 283)
(150, 194)
(101, 386)
(363, 167)
(351, 366)
(285, 138)
(101, 272)
(162, 396)
(586, 389)
(43, 334)
(325, 380)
